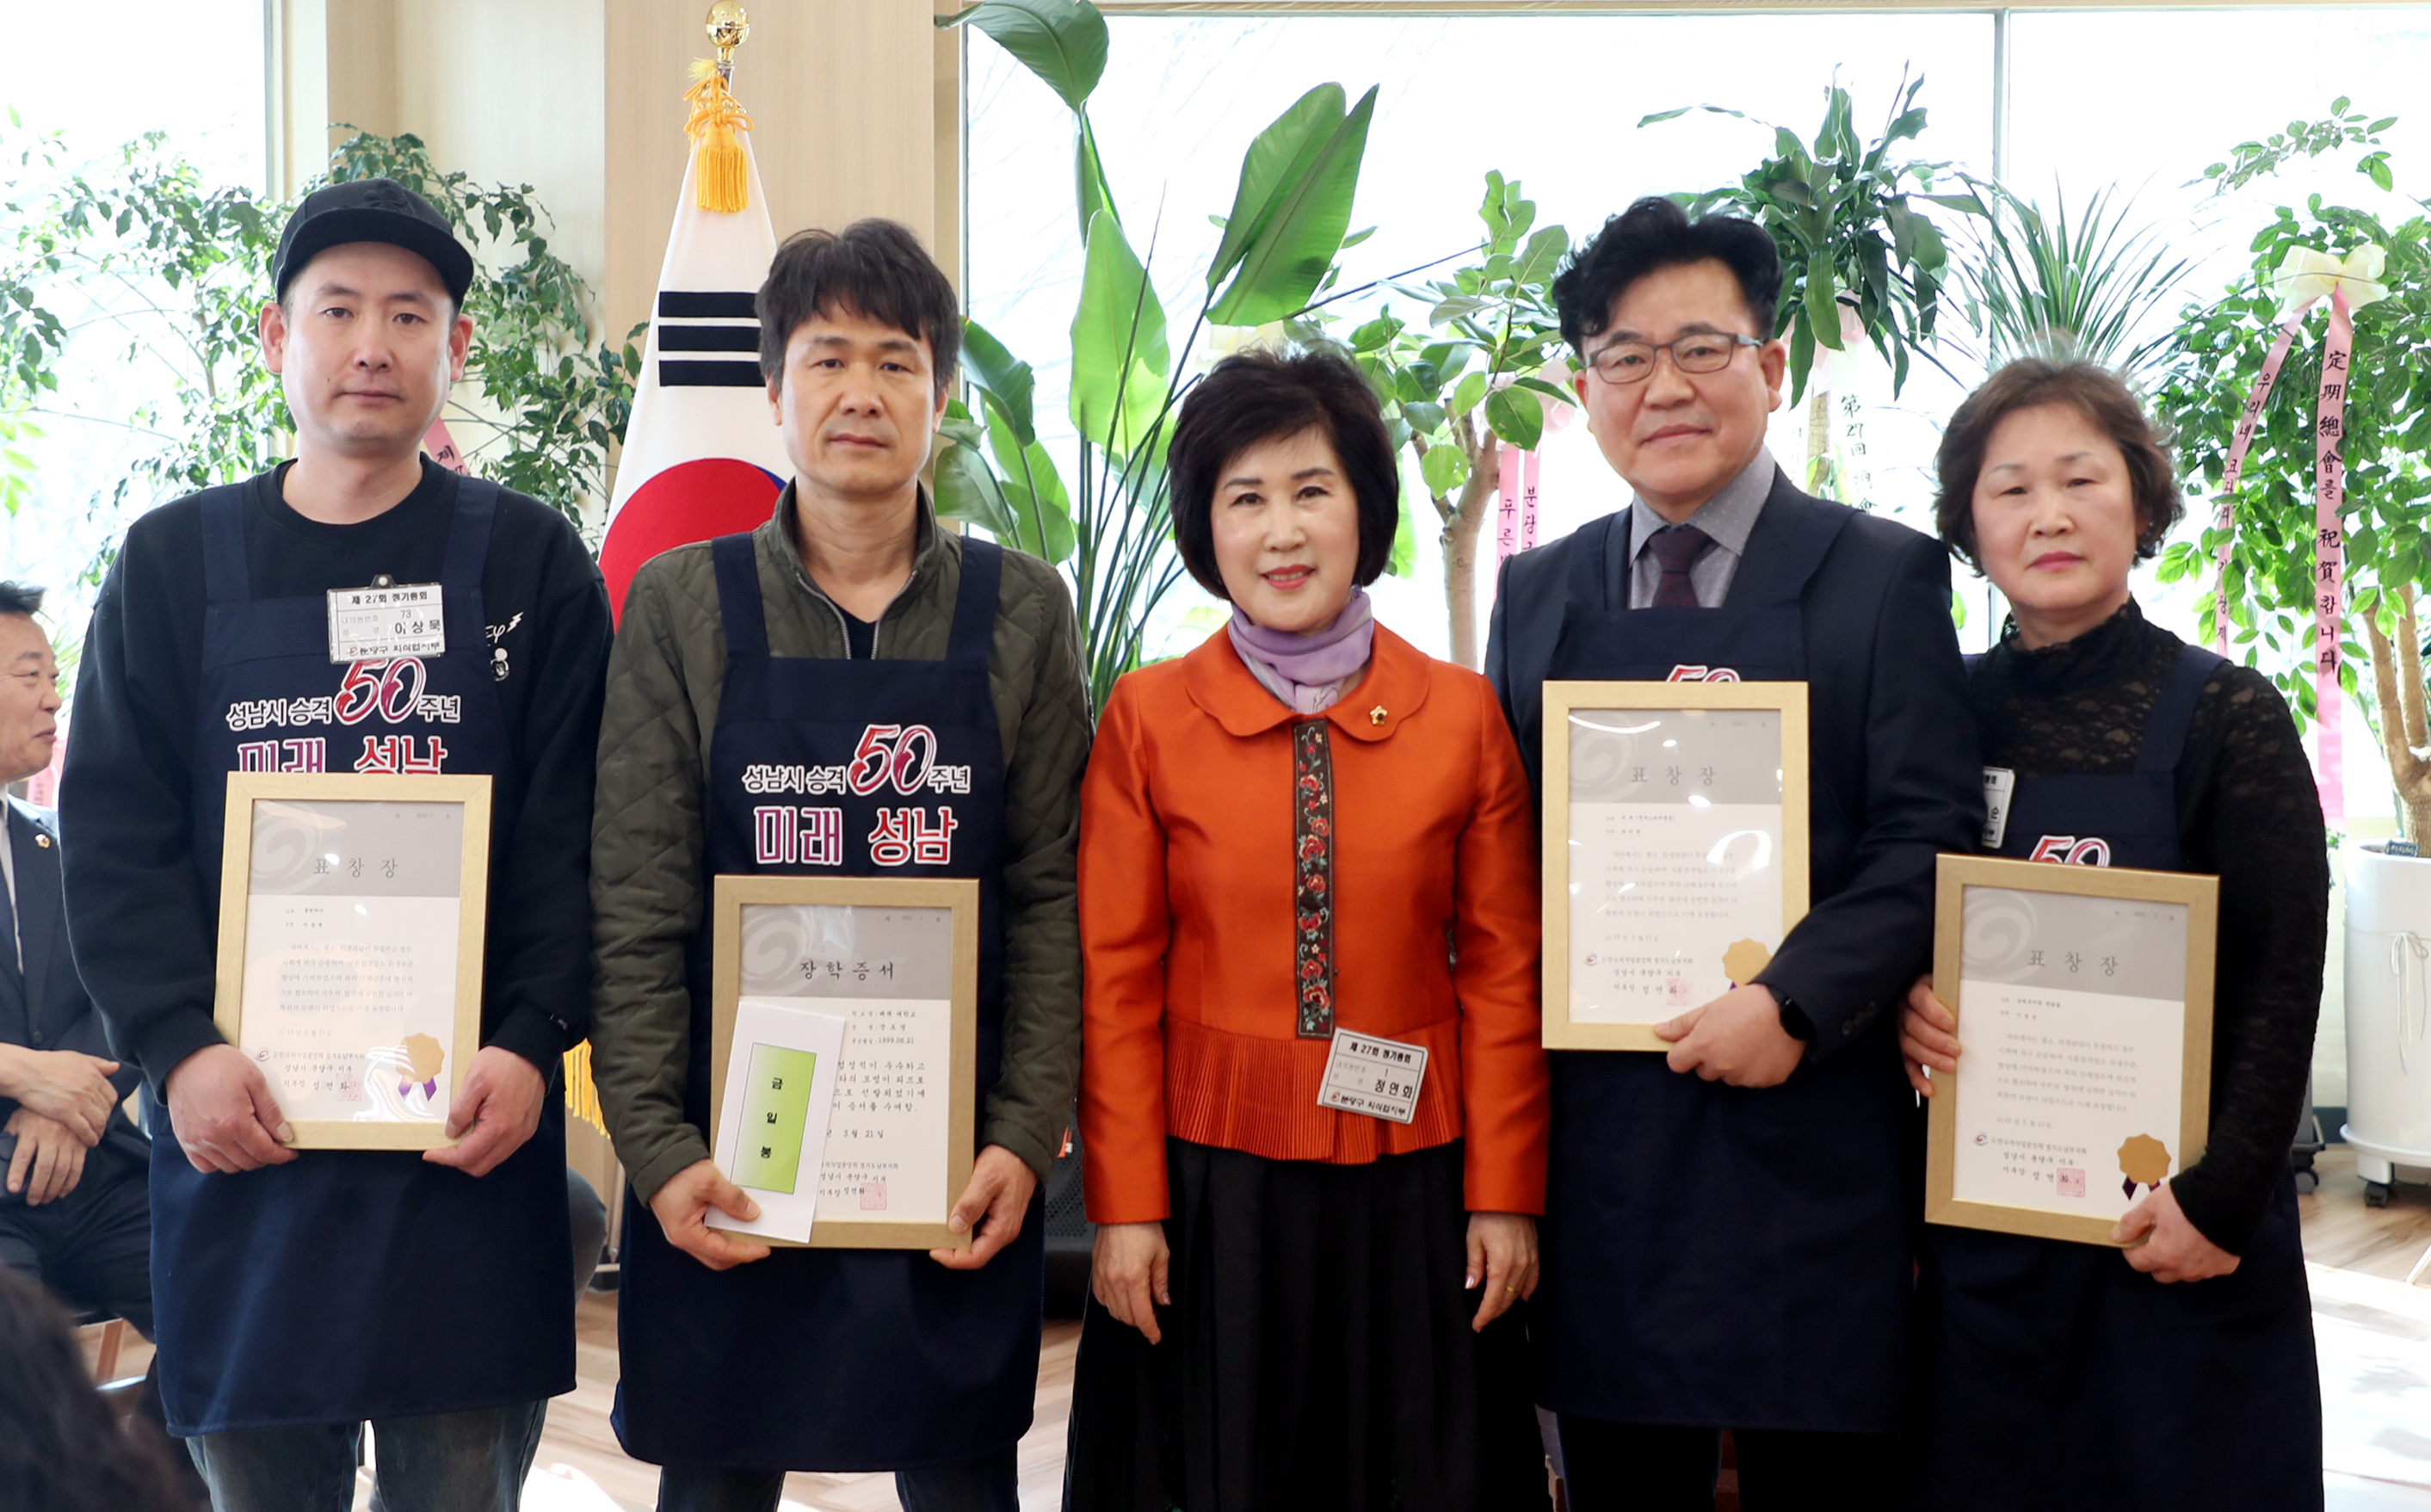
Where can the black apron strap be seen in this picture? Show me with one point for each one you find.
(974, 605)
(2165, 732)
(1589, 545)
(738, 596)
(1774, 573)
(224, 577)
(468, 534)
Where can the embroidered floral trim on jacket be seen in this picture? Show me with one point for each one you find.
(1313, 876)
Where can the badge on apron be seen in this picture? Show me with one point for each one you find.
(386, 621)
(1998, 782)
(1376, 1077)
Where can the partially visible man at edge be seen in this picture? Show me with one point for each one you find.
(303, 1292)
(75, 1214)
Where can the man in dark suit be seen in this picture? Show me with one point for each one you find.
(1727, 1228)
(74, 1214)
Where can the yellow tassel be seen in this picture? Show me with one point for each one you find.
(721, 183)
(581, 1093)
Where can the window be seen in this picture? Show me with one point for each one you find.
(192, 69)
(2140, 99)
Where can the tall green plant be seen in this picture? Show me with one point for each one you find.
(171, 274)
(1111, 530)
(1846, 215)
(2089, 286)
(2214, 359)
(1471, 380)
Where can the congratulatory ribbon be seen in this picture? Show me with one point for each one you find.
(2304, 278)
(1515, 526)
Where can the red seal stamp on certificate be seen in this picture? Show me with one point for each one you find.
(1678, 992)
(2072, 1181)
(873, 1197)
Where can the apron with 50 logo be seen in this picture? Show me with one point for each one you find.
(349, 1285)
(840, 1360)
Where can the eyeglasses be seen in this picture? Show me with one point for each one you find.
(1703, 351)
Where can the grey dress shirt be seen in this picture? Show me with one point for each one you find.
(1728, 516)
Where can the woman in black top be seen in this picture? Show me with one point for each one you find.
(2179, 1374)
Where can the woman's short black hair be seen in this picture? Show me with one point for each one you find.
(2029, 383)
(62, 1448)
(1258, 396)
(876, 268)
(1653, 234)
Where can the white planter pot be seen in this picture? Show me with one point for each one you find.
(2388, 1011)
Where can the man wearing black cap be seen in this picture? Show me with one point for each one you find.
(299, 1294)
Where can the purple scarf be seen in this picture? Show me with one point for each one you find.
(1308, 671)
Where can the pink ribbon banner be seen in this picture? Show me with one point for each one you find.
(1515, 524)
(2330, 554)
(442, 448)
(2224, 517)
(2329, 531)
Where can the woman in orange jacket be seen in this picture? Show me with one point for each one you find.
(1312, 1097)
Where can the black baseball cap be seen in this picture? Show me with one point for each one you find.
(371, 210)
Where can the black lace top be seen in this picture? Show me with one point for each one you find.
(2248, 812)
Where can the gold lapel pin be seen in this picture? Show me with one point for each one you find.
(1376, 715)
(43, 841)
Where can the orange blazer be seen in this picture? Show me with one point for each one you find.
(1187, 926)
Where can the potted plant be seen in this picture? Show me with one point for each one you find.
(1860, 259)
(2087, 285)
(1473, 379)
(174, 274)
(2271, 585)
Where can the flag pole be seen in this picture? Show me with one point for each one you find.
(728, 28)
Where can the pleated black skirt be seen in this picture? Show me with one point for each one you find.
(1317, 1353)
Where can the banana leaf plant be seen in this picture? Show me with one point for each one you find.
(1859, 258)
(1110, 527)
(1473, 379)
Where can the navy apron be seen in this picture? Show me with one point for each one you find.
(353, 1284)
(1720, 1256)
(840, 1360)
(2056, 1374)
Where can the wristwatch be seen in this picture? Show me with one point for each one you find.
(1793, 1018)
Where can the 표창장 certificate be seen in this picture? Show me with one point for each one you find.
(1675, 849)
(897, 960)
(2084, 1003)
(352, 913)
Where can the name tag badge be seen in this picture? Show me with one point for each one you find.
(1378, 1077)
(382, 624)
(1998, 782)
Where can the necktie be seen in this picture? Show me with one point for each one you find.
(1676, 548)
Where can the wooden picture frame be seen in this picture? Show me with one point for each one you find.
(732, 895)
(313, 793)
(2200, 896)
(1564, 702)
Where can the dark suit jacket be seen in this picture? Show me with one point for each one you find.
(1894, 771)
(53, 1012)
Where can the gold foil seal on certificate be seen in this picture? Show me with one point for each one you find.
(1744, 961)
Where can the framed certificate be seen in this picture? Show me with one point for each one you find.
(898, 960)
(2084, 1003)
(352, 915)
(1675, 849)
